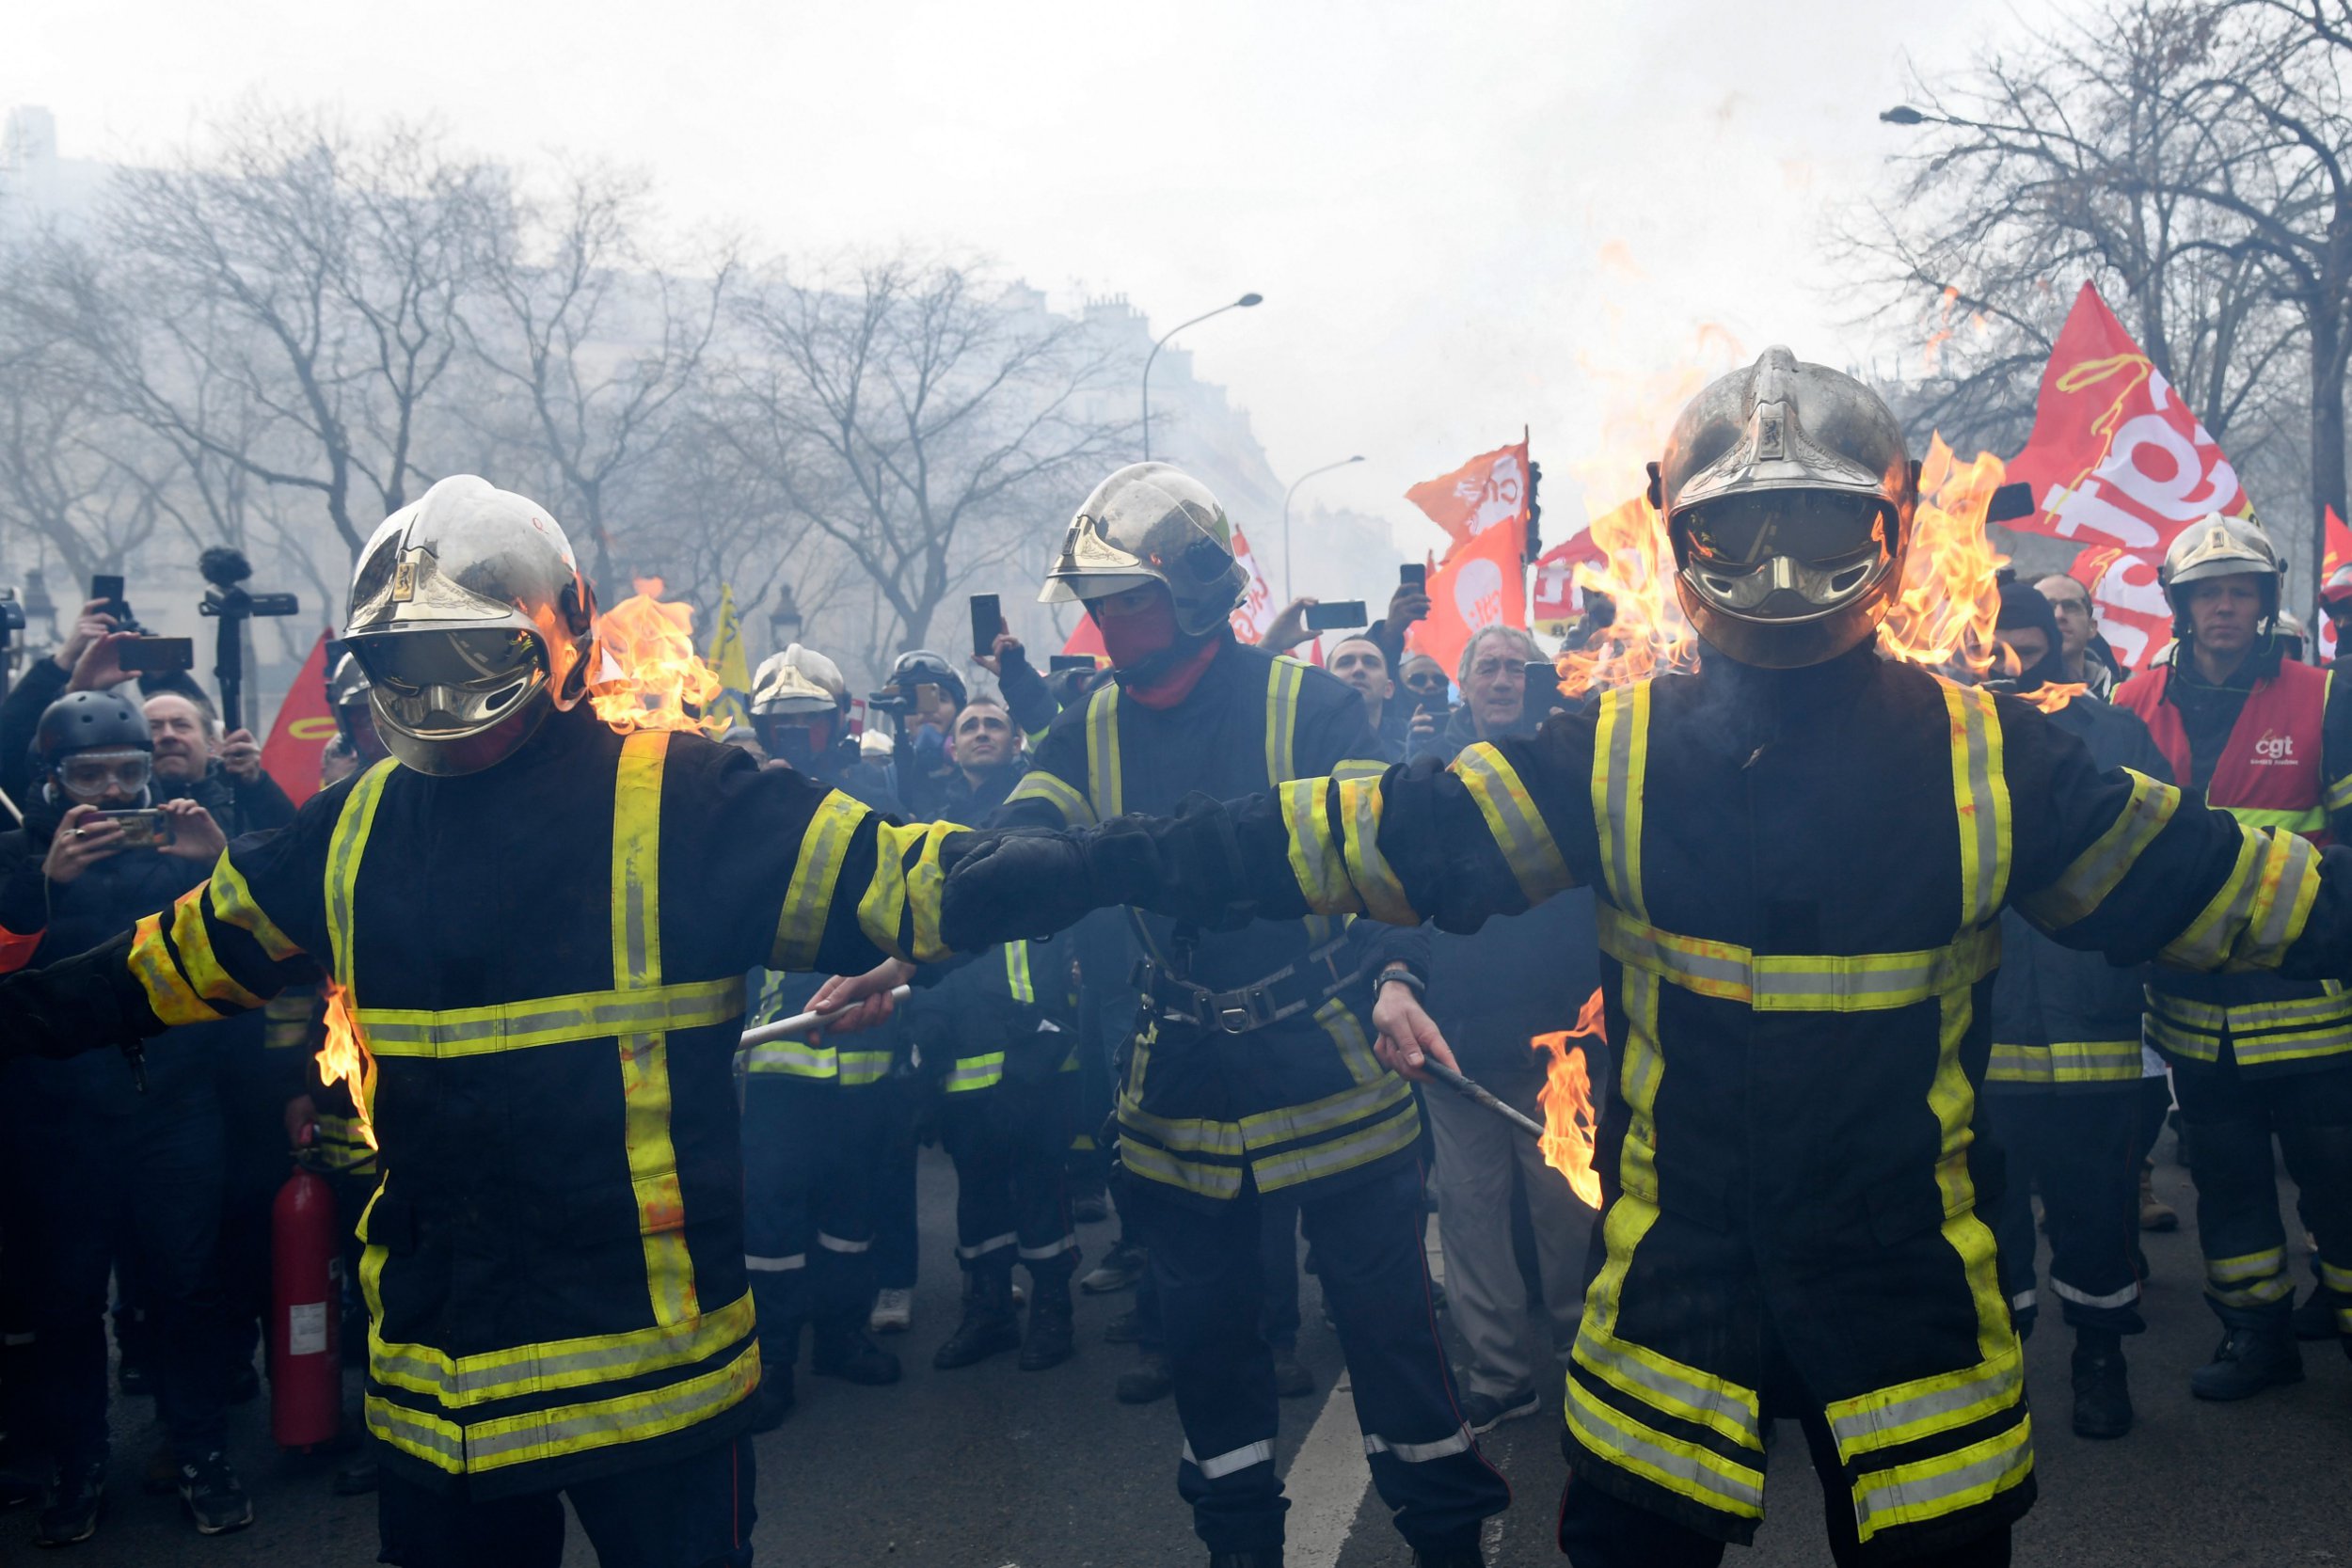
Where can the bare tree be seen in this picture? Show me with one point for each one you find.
(296, 283)
(920, 420)
(594, 340)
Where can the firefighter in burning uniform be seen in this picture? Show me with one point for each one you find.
(1799, 855)
(1252, 1072)
(812, 1110)
(2268, 740)
(541, 926)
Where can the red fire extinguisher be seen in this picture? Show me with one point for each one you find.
(306, 1369)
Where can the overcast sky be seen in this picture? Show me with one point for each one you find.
(1463, 218)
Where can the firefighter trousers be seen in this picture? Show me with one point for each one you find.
(1010, 1145)
(810, 1150)
(2083, 1151)
(692, 1513)
(1206, 1261)
(2231, 1118)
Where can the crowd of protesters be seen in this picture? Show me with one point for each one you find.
(150, 1200)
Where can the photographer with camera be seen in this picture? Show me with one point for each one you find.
(95, 1168)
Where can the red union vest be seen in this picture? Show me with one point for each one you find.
(2270, 773)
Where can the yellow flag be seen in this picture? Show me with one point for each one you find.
(726, 657)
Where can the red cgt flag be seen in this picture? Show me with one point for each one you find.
(2338, 553)
(1559, 603)
(1483, 583)
(1482, 491)
(303, 726)
(2117, 463)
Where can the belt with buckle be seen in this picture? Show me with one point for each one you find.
(1292, 990)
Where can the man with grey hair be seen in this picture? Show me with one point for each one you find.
(2079, 646)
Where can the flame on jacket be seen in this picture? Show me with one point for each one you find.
(647, 675)
(344, 1059)
(1569, 1117)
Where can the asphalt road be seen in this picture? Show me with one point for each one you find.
(992, 1467)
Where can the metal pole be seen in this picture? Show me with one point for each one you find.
(1474, 1091)
(1287, 594)
(801, 1023)
(1243, 302)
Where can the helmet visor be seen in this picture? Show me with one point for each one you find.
(1810, 526)
(448, 683)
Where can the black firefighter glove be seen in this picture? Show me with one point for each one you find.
(81, 1003)
(1030, 883)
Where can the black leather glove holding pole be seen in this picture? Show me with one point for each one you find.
(1028, 882)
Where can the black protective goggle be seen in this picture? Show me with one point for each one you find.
(1804, 525)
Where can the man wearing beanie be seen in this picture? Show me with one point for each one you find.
(2062, 1098)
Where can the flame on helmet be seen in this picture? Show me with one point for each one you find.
(647, 674)
(345, 1059)
(1950, 600)
(1566, 1097)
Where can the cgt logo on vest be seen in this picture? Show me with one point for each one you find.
(2276, 751)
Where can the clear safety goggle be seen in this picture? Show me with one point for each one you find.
(89, 773)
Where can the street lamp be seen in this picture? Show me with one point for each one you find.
(1287, 516)
(784, 620)
(1243, 302)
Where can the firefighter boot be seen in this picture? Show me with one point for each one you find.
(1047, 1343)
(843, 1351)
(2249, 1361)
(989, 1324)
(2103, 1399)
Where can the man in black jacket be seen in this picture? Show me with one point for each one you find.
(96, 1169)
(2062, 1095)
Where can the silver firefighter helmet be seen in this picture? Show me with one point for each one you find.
(471, 622)
(1788, 500)
(2218, 545)
(799, 681)
(1151, 522)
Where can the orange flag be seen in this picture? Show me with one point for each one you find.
(1481, 583)
(1487, 491)
(303, 726)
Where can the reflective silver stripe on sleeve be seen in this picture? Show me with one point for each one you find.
(2123, 1297)
(1218, 1464)
(835, 1244)
(775, 1265)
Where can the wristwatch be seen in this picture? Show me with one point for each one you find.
(1403, 977)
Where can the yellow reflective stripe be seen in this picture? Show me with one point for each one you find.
(344, 846)
(1799, 982)
(644, 1055)
(550, 1021)
(571, 1429)
(194, 943)
(906, 877)
(1038, 785)
(815, 872)
(1980, 792)
(1397, 1131)
(1284, 677)
(2338, 795)
(1906, 1412)
(1315, 1117)
(1017, 973)
(1102, 766)
(2083, 886)
(2252, 1265)
(169, 994)
(1685, 1468)
(1620, 775)
(1512, 818)
(790, 1058)
(2289, 886)
(440, 1444)
(975, 1072)
(864, 1067)
(1347, 1032)
(2258, 912)
(1358, 770)
(2066, 1062)
(458, 1381)
(1317, 866)
(232, 900)
(1376, 883)
(1185, 1135)
(2261, 1050)
(1933, 1488)
(1952, 1100)
(2310, 819)
(1664, 1383)
(1192, 1175)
